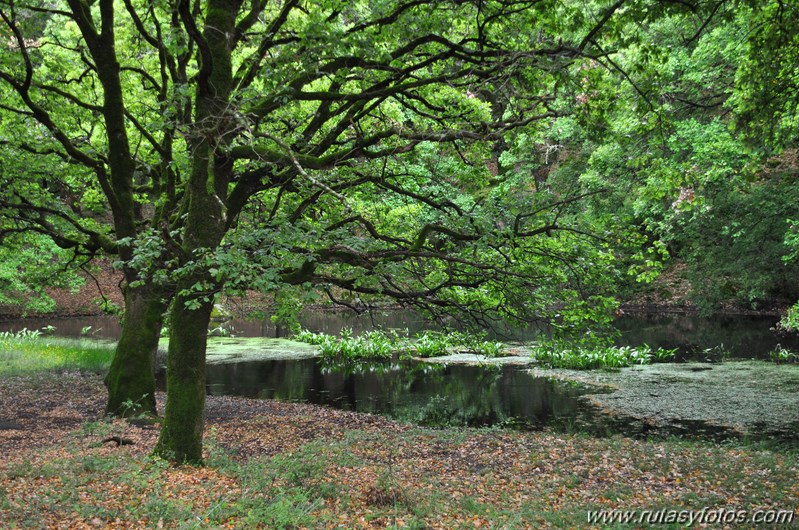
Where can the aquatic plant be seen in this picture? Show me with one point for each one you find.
(431, 344)
(309, 337)
(718, 353)
(379, 344)
(478, 344)
(370, 345)
(23, 334)
(488, 348)
(586, 357)
(789, 323)
(328, 346)
(220, 331)
(781, 355)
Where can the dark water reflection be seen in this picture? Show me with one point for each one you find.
(104, 327)
(409, 391)
(743, 336)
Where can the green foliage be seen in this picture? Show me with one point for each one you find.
(790, 320)
(717, 354)
(287, 308)
(781, 355)
(558, 354)
(468, 158)
(689, 154)
(309, 337)
(735, 245)
(373, 345)
(433, 343)
(765, 98)
(28, 266)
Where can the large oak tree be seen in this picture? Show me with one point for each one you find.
(354, 146)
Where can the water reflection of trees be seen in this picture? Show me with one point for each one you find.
(743, 336)
(414, 392)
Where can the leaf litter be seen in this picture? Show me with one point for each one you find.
(289, 465)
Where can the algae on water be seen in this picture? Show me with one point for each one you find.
(476, 359)
(228, 350)
(744, 397)
(243, 349)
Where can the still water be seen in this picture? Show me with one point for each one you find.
(448, 395)
(421, 393)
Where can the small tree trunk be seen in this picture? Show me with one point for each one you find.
(131, 378)
(181, 438)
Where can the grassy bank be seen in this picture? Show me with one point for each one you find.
(289, 465)
(30, 351)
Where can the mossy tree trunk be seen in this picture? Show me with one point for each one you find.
(131, 378)
(205, 203)
(182, 431)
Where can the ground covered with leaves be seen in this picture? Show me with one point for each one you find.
(287, 465)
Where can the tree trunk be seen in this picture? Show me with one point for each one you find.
(131, 378)
(182, 432)
(206, 224)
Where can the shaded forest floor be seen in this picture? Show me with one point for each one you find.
(285, 465)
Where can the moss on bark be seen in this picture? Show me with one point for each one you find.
(131, 379)
(182, 431)
(205, 203)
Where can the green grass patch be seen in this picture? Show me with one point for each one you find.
(28, 351)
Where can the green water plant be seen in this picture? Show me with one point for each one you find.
(22, 335)
(478, 344)
(432, 343)
(588, 357)
(782, 355)
(717, 354)
(347, 346)
(309, 337)
(789, 323)
(380, 344)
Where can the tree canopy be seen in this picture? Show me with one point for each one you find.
(491, 160)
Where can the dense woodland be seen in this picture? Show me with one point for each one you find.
(494, 161)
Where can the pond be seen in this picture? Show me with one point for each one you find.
(417, 392)
(743, 336)
(508, 396)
